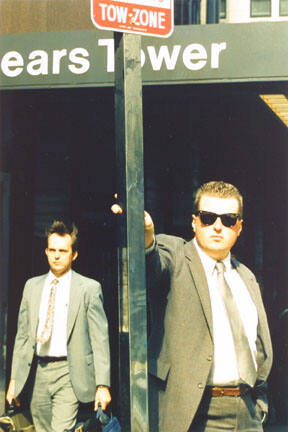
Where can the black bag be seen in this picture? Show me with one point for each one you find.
(16, 420)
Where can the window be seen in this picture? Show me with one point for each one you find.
(260, 8)
(283, 7)
(223, 9)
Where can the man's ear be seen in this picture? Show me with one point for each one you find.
(193, 222)
(240, 226)
(75, 255)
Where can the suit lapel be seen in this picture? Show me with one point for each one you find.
(35, 303)
(74, 302)
(246, 279)
(263, 340)
(200, 282)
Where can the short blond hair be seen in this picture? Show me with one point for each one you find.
(219, 189)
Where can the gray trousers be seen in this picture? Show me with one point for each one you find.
(227, 413)
(54, 405)
(214, 414)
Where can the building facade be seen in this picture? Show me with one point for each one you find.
(207, 114)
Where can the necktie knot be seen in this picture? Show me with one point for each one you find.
(55, 282)
(220, 267)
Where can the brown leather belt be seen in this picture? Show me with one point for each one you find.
(228, 391)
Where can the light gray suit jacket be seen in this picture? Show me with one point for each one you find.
(181, 342)
(87, 336)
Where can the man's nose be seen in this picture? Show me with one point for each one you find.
(218, 224)
(57, 255)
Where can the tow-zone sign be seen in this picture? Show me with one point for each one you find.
(147, 17)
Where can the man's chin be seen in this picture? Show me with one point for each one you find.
(57, 271)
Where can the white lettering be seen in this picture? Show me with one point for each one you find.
(121, 14)
(143, 58)
(136, 16)
(110, 53)
(195, 56)
(153, 19)
(39, 63)
(103, 11)
(161, 20)
(113, 13)
(77, 61)
(145, 18)
(57, 56)
(163, 55)
(215, 52)
(12, 64)
(81, 64)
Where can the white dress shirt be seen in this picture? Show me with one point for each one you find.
(224, 370)
(57, 344)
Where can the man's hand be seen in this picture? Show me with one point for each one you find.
(10, 397)
(148, 225)
(102, 397)
(149, 230)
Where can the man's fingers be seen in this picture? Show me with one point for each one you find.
(148, 222)
(10, 399)
(17, 402)
(102, 397)
(116, 209)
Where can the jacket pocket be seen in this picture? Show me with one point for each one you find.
(159, 368)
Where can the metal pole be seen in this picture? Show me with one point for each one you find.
(133, 385)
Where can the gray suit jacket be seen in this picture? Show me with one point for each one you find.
(181, 340)
(87, 336)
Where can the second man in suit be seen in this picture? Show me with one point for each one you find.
(63, 330)
(209, 349)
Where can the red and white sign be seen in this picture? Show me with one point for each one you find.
(146, 17)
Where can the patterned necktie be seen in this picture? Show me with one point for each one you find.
(47, 330)
(246, 367)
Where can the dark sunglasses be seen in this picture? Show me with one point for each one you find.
(209, 218)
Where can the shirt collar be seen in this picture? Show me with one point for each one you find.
(66, 278)
(208, 262)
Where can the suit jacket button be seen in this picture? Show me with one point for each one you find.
(209, 358)
(200, 386)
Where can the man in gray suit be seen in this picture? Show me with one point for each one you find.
(62, 327)
(209, 350)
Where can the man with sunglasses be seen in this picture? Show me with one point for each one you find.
(209, 349)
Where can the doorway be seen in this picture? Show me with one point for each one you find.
(58, 149)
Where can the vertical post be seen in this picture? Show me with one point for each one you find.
(133, 386)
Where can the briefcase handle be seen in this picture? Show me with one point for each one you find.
(102, 416)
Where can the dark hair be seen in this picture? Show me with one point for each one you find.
(62, 228)
(219, 189)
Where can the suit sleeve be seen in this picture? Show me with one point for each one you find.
(22, 336)
(99, 335)
(160, 264)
